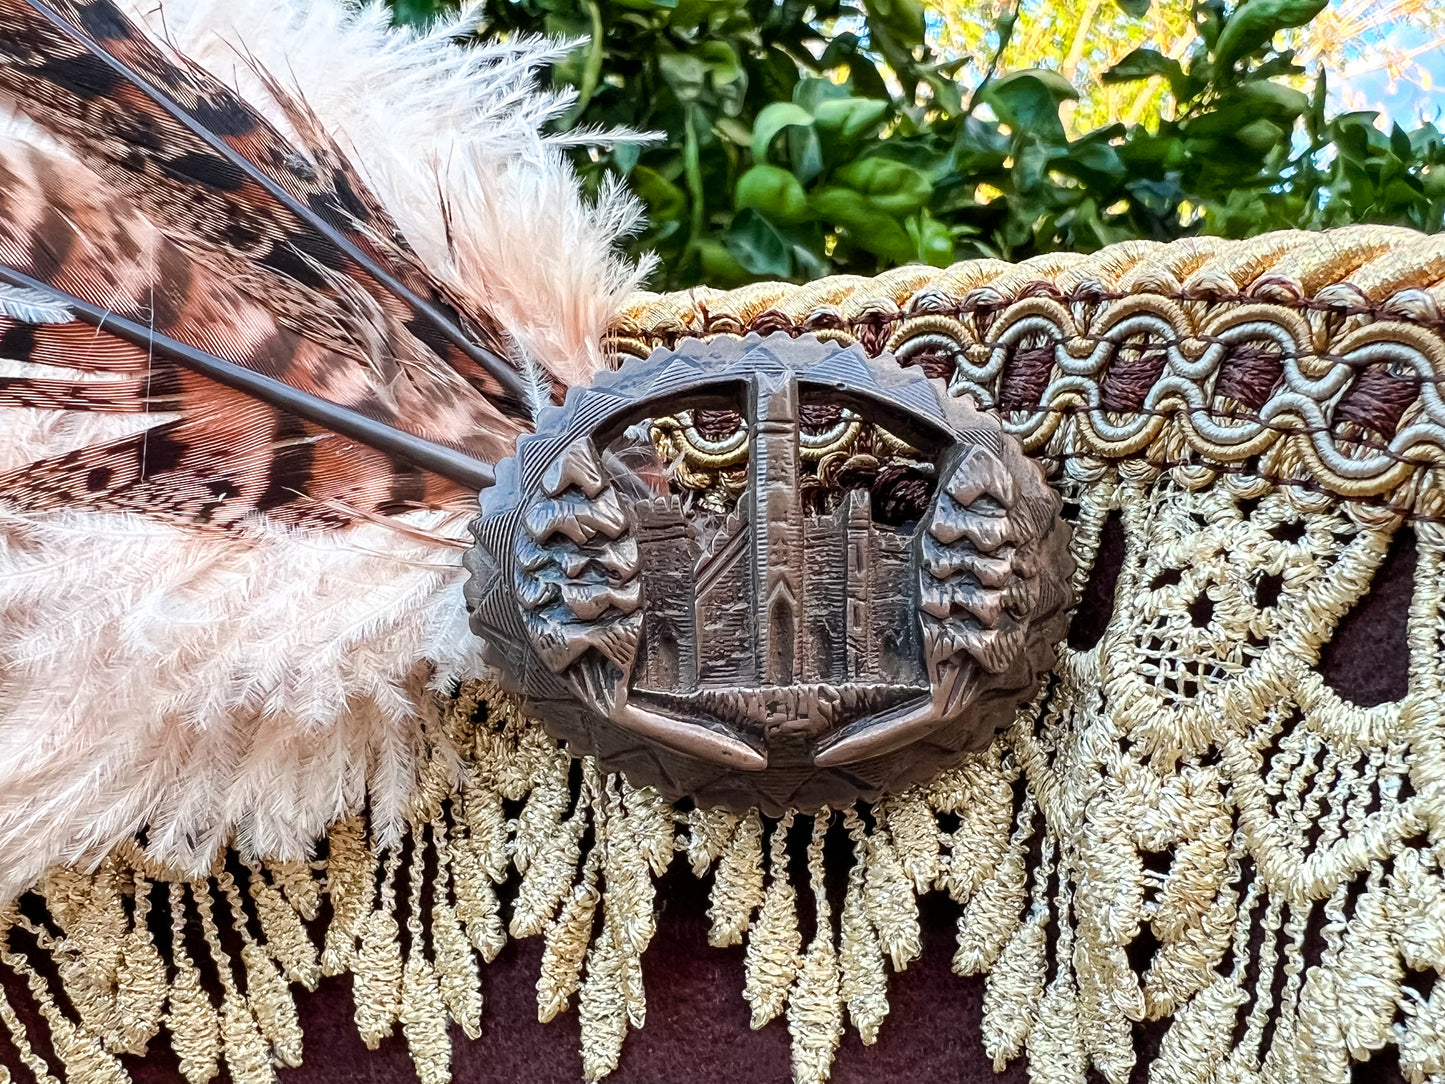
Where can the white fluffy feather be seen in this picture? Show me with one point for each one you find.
(207, 688)
(204, 686)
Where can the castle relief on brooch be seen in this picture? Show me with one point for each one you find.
(770, 572)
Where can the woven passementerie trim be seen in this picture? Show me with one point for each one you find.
(1314, 359)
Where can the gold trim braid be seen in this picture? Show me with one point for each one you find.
(1188, 825)
(1317, 356)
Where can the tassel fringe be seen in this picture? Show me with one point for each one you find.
(582, 852)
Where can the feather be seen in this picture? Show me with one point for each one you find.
(192, 153)
(450, 140)
(210, 689)
(32, 307)
(66, 229)
(219, 621)
(63, 227)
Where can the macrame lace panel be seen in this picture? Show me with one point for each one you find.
(1188, 826)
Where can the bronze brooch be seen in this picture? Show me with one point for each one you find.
(784, 642)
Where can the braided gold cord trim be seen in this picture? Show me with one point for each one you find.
(1145, 343)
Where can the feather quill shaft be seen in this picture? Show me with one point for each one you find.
(448, 462)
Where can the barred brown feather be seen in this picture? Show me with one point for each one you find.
(151, 224)
(137, 121)
(69, 346)
(234, 460)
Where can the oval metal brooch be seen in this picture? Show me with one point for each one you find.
(770, 572)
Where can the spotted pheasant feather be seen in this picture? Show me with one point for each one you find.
(277, 285)
(185, 210)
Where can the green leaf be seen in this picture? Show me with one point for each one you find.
(1004, 27)
(722, 58)
(416, 12)
(758, 245)
(805, 152)
(1135, 9)
(947, 91)
(734, 130)
(1029, 166)
(685, 73)
(1229, 117)
(712, 70)
(850, 118)
(625, 156)
(811, 93)
(1093, 155)
(664, 199)
(772, 120)
(931, 239)
(867, 226)
(719, 265)
(775, 192)
(1400, 144)
(1260, 136)
(1274, 100)
(692, 171)
(1319, 99)
(1255, 22)
(1028, 101)
(904, 19)
(729, 80)
(890, 186)
(840, 49)
(1145, 64)
(1281, 65)
(1209, 18)
(1354, 134)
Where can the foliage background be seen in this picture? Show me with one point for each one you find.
(807, 139)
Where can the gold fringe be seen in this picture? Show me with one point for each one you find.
(815, 1008)
(864, 983)
(193, 1022)
(586, 854)
(771, 963)
(738, 887)
(378, 965)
